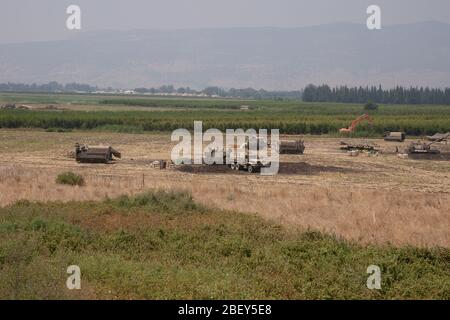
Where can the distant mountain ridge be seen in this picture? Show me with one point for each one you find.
(272, 58)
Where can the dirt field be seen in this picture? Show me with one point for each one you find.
(372, 199)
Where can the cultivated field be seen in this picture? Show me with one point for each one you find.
(106, 113)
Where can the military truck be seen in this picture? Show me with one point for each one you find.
(95, 154)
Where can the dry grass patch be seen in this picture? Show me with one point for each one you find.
(364, 215)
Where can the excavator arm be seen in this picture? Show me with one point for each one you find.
(355, 122)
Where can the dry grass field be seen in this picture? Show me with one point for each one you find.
(370, 199)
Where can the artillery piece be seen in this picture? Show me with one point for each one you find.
(425, 148)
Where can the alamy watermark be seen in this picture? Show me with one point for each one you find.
(74, 280)
(374, 280)
(73, 22)
(374, 20)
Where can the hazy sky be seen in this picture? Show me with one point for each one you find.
(28, 20)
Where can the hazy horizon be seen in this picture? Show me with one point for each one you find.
(44, 20)
(276, 45)
(416, 54)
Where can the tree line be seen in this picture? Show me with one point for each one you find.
(311, 93)
(397, 95)
(52, 86)
(245, 93)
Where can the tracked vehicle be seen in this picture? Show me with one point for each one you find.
(395, 136)
(95, 154)
(425, 148)
(291, 147)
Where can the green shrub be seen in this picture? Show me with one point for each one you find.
(370, 106)
(8, 227)
(70, 178)
(38, 224)
(168, 201)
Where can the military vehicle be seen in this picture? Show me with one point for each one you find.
(291, 147)
(425, 148)
(394, 136)
(248, 161)
(437, 136)
(95, 154)
(251, 162)
(371, 148)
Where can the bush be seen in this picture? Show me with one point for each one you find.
(370, 106)
(170, 202)
(70, 178)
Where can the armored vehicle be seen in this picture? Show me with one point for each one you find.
(291, 147)
(425, 148)
(101, 154)
(394, 136)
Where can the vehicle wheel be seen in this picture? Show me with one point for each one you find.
(250, 169)
(237, 167)
(233, 166)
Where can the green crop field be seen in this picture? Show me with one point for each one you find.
(163, 245)
(291, 117)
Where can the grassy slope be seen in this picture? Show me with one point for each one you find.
(163, 245)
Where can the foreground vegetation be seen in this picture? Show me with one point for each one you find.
(164, 245)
